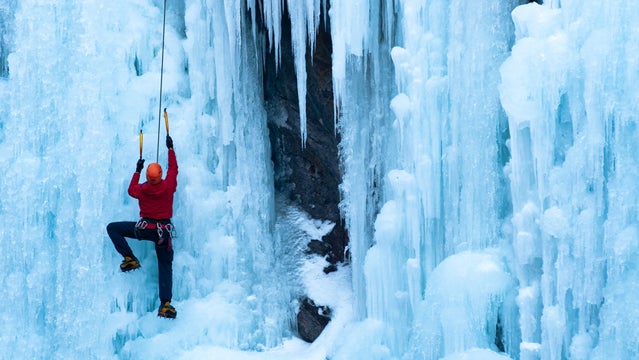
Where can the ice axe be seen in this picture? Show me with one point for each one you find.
(141, 143)
(166, 121)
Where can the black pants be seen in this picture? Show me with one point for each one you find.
(118, 231)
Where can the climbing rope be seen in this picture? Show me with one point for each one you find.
(157, 154)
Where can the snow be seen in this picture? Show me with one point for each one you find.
(489, 189)
(554, 223)
(476, 354)
(464, 297)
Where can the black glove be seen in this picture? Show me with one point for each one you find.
(139, 166)
(169, 142)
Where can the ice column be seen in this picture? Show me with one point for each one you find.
(531, 93)
(225, 65)
(608, 165)
(449, 121)
(388, 296)
(566, 89)
(446, 135)
(473, 188)
(364, 119)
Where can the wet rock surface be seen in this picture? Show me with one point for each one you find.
(307, 176)
(311, 320)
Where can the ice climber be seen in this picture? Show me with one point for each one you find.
(155, 198)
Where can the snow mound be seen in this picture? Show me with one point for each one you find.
(468, 296)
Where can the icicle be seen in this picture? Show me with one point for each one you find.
(349, 32)
(312, 22)
(273, 21)
(304, 17)
(298, 35)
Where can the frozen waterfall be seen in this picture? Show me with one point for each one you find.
(488, 152)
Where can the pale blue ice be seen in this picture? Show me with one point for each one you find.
(490, 186)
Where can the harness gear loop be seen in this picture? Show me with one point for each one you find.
(141, 224)
(160, 229)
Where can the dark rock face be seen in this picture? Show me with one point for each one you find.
(311, 320)
(307, 177)
(6, 35)
(499, 335)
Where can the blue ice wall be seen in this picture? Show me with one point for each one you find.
(488, 153)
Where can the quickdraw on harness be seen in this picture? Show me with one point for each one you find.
(165, 230)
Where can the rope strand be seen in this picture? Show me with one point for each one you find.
(157, 154)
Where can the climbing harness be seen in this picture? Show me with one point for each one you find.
(166, 230)
(157, 154)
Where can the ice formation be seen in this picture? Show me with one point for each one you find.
(489, 179)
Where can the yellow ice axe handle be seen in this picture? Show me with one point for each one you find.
(166, 121)
(141, 143)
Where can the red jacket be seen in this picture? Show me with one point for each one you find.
(156, 201)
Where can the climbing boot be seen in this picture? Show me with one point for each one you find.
(167, 310)
(129, 263)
